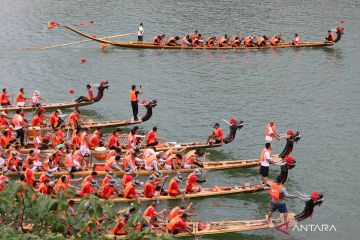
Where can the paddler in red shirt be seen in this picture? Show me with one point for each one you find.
(191, 181)
(217, 135)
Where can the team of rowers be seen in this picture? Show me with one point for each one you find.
(195, 39)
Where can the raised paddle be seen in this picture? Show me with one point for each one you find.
(72, 43)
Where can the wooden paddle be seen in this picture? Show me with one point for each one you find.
(72, 43)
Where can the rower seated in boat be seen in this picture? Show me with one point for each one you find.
(296, 40)
(191, 159)
(151, 138)
(173, 187)
(210, 42)
(217, 135)
(192, 180)
(261, 42)
(63, 184)
(186, 41)
(109, 190)
(250, 41)
(96, 138)
(114, 139)
(4, 98)
(178, 224)
(151, 186)
(55, 120)
(223, 41)
(130, 189)
(74, 119)
(173, 41)
(88, 188)
(35, 99)
(13, 162)
(330, 37)
(274, 41)
(5, 140)
(89, 97)
(152, 224)
(71, 161)
(21, 99)
(173, 161)
(179, 210)
(127, 176)
(113, 164)
(236, 42)
(198, 41)
(119, 228)
(130, 161)
(194, 35)
(158, 39)
(3, 119)
(151, 162)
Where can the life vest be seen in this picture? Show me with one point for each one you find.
(20, 97)
(275, 191)
(177, 223)
(54, 120)
(149, 189)
(127, 160)
(222, 42)
(43, 177)
(94, 141)
(86, 189)
(86, 180)
(4, 98)
(210, 42)
(151, 137)
(248, 41)
(107, 191)
(157, 40)
(131, 138)
(189, 157)
(172, 41)
(61, 185)
(274, 41)
(90, 95)
(113, 141)
(174, 212)
(169, 160)
(109, 162)
(118, 229)
(3, 121)
(69, 161)
(29, 177)
(129, 191)
(191, 182)
(126, 179)
(56, 140)
(16, 121)
(73, 118)
(133, 96)
(13, 161)
(331, 37)
(149, 160)
(168, 153)
(261, 41)
(75, 141)
(262, 155)
(218, 133)
(149, 212)
(4, 141)
(236, 43)
(173, 188)
(36, 121)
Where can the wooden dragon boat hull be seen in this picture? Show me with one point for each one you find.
(154, 46)
(221, 227)
(103, 85)
(206, 192)
(208, 166)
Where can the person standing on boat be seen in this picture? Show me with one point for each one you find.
(140, 33)
(265, 160)
(271, 132)
(89, 97)
(278, 194)
(134, 100)
(21, 99)
(151, 138)
(19, 123)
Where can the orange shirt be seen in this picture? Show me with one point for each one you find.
(107, 191)
(149, 189)
(151, 137)
(20, 97)
(86, 189)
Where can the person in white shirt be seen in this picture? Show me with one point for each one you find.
(271, 132)
(141, 32)
(265, 161)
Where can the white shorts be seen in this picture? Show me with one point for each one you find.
(167, 167)
(187, 166)
(148, 168)
(20, 104)
(268, 139)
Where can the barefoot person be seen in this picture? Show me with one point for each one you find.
(278, 194)
(271, 132)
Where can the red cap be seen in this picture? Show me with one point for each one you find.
(342, 21)
(232, 121)
(290, 132)
(314, 195)
(47, 136)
